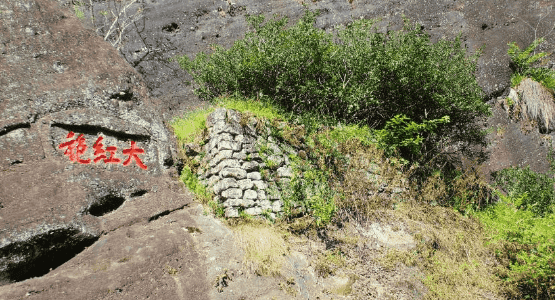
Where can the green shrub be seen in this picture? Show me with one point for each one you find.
(310, 194)
(535, 189)
(522, 62)
(464, 189)
(78, 12)
(399, 133)
(525, 244)
(358, 76)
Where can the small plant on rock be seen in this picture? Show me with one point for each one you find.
(522, 62)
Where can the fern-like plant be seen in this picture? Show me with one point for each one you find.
(523, 61)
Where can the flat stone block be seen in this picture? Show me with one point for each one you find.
(276, 206)
(261, 195)
(233, 203)
(250, 166)
(254, 176)
(222, 127)
(225, 184)
(245, 184)
(249, 148)
(253, 211)
(224, 154)
(248, 203)
(236, 173)
(213, 180)
(226, 163)
(245, 139)
(231, 212)
(224, 145)
(265, 204)
(250, 194)
(239, 155)
(232, 193)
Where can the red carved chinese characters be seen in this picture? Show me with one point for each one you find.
(132, 152)
(98, 151)
(77, 147)
(112, 159)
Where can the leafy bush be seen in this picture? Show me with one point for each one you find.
(534, 189)
(522, 229)
(522, 62)
(192, 182)
(360, 76)
(311, 194)
(399, 133)
(525, 244)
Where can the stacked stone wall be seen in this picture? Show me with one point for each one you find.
(231, 165)
(248, 170)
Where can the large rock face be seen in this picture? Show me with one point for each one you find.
(72, 112)
(172, 27)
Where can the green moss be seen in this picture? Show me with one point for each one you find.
(189, 126)
(261, 108)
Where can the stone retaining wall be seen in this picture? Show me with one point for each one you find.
(233, 168)
(249, 170)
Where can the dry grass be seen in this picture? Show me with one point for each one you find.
(366, 194)
(539, 103)
(452, 252)
(265, 247)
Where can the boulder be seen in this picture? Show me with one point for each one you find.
(537, 103)
(83, 153)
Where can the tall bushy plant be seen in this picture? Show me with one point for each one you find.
(361, 76)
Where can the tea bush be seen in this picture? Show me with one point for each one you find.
(359, 76)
